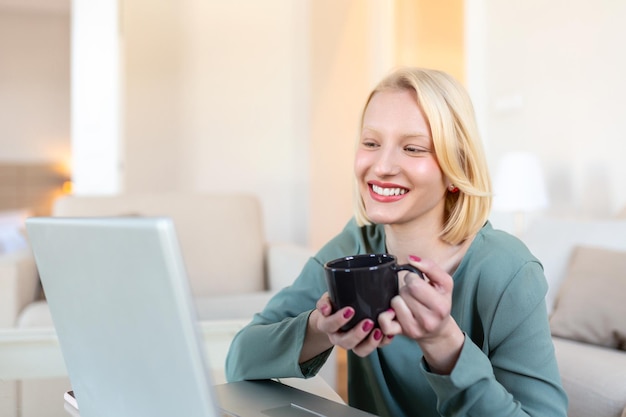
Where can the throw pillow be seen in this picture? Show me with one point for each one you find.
(590, 305)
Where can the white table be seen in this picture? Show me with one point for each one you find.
(33, 375)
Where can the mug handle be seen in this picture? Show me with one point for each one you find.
(410, 268)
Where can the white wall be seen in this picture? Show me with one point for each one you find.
(262, 97)
(245, 106)
(548, 77)
(216, 100)
(34, 85)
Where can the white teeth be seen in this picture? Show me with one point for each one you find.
(388, 191)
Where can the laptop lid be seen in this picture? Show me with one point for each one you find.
(122, 309)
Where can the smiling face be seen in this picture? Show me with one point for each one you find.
(398, 175)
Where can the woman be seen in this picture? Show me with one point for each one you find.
(470, 340)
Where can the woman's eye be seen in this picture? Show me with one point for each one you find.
(369, 144)
(415, 149)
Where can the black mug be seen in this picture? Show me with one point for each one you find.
(367, 283)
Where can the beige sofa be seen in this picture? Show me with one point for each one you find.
(585, 264)
(232, 269)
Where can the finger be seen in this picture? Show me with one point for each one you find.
(335, 321)
(324, 305)
(386, 340)
(421, 311)
(420, 291)
(353, 337)
(388, 323)
(369, 344)
(425, 301)
(388, 314)
(437, 277)
(404, 315)
(409, 278)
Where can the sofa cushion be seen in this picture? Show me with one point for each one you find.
(221, 235)
(552, 239)
(36, 314)
(236, 306)
(590, 304)
(593, 378)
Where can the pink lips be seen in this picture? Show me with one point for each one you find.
(386, 192)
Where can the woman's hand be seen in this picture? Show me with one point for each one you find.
(422, 312)
(362, 339)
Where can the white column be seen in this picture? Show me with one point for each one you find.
(476, 62)
(96, 97)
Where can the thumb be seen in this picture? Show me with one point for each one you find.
(433, 273)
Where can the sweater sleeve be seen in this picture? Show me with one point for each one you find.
(515, 373)
(269, 346)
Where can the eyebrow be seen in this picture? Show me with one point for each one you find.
(416, 135)
(404, 135)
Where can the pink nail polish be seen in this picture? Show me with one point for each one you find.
(368, 325)
(348, 313)
(378, 334)
(415, 258)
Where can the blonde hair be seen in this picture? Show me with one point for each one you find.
(457, 144)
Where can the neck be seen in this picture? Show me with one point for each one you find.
(403, 240)
(424, 241)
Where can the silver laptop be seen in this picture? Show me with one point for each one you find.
(123, 312)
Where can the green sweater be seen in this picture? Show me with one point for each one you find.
(507, 365)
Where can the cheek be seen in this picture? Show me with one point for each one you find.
(360, 164)
(428, 173)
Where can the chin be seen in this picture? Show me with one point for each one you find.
(380, 218)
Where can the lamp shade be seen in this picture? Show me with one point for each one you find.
(519, 184)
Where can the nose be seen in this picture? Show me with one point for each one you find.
(386, 163)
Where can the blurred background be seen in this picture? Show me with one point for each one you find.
(264, 96)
